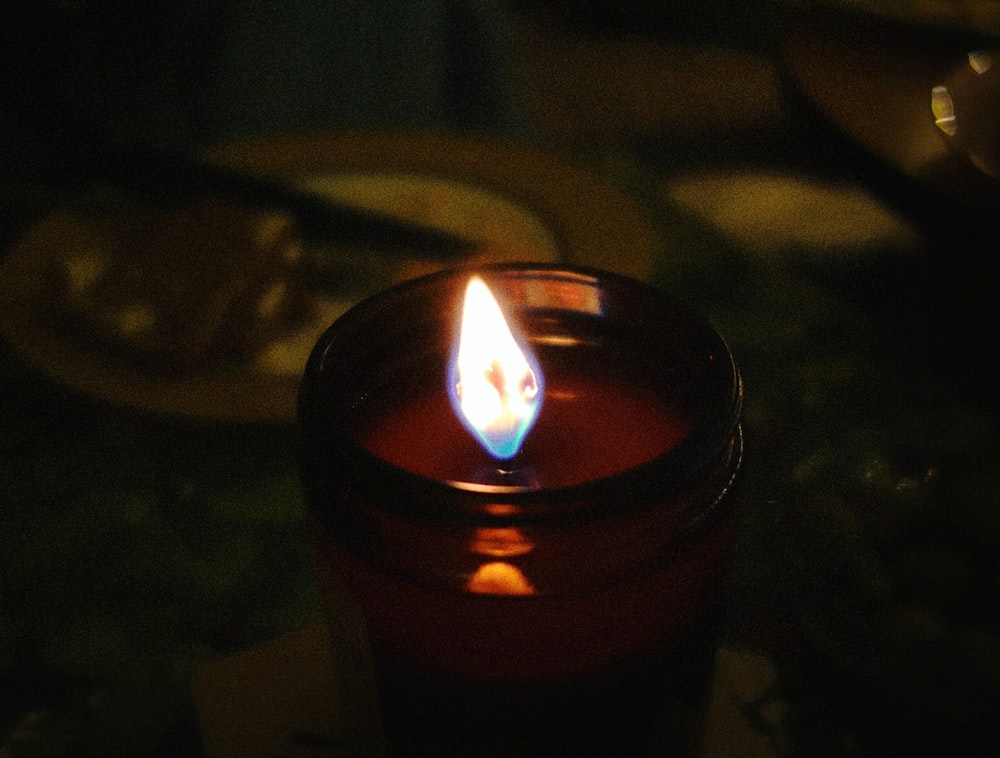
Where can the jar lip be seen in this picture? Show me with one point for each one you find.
(674, 470)
(503, 505)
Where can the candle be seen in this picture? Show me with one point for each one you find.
(544, 589)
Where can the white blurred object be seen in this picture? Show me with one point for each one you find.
(778, 216)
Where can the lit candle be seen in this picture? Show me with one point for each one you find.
(599, 420)
(543, 555)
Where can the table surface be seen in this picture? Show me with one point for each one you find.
(863, 610)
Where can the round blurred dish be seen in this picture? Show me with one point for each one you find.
(516, 202)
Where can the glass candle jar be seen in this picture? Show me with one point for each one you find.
(566, 599)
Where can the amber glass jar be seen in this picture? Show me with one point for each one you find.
(562, 601)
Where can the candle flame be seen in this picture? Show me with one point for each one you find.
(494, 384)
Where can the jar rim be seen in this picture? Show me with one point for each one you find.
(715, 440)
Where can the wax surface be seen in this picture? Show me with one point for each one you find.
(590, 426)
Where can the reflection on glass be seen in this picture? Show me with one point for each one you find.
(943, 108)
(499, 578)
(980, 61)
(966, 109)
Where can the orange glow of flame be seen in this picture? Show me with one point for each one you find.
(495, 385)
(499, 578)
(502, 542)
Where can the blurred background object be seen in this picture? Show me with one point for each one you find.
(778, 166)
(88, 77)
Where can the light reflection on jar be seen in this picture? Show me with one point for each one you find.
(503, 542)
(499, 577)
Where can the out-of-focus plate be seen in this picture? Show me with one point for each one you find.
(521, 203)
(873, 82)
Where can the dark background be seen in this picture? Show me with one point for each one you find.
(868, 575)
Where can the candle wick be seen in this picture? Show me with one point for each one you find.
(508, 476)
